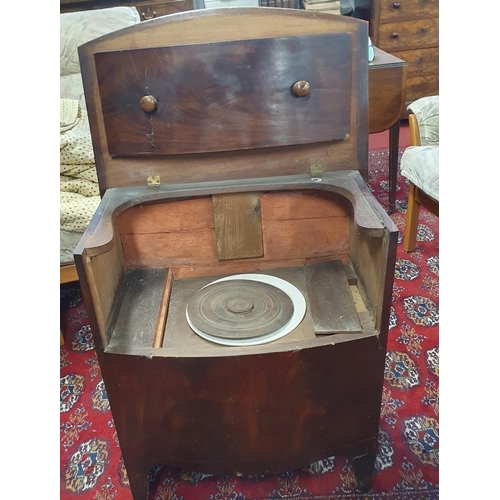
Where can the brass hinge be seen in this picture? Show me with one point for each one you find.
(153, 180)
(316, 170)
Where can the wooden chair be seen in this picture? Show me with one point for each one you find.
(420, 164)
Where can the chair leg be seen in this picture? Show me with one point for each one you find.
(410, 237)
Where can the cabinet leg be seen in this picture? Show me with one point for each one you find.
(364, 467)
(393, 164)
(138, 479)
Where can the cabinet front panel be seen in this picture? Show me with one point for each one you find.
(409, 34)
(404, 9)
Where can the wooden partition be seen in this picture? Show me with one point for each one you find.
(297, 227)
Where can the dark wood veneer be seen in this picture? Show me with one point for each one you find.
(225, 96)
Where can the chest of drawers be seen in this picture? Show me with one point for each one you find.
(409, 29)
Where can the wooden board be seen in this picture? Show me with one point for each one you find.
(238, 228)
(226, 96)
(211, 27)
(137, 308)
(178, 334)
(332, 305)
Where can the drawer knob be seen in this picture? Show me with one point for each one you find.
(301, 88)
(148, 103)
(148, 14)
(396, 5)
(395, 35)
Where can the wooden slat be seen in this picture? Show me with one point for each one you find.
(162, 315)
(137, 307)
(332, 305)
(238, 229)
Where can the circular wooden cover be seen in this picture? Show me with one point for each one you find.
(239, 309)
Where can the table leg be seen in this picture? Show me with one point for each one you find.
(393, 164)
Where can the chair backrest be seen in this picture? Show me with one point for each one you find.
(223, 101)
(426, 113)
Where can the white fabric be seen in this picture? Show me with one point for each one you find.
(77, 28)
(79, 189)
(420, 165)
(426, 110)
(71, 87)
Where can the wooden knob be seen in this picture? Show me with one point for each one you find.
(396, 5)
(301, 88)
(149, 14)
(148, 103)
(395, 35)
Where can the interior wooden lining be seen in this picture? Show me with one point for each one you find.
(297, 227)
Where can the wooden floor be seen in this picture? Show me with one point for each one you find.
(381, 140)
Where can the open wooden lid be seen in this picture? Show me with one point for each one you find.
(223, 94)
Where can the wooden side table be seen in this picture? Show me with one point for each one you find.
(386, 101)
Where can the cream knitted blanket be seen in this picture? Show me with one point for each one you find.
(79, 190)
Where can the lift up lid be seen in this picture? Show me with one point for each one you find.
(224, 94)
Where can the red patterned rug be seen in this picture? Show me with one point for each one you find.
(408, 455)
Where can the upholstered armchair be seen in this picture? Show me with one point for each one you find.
(78, 182)
(79, 192)
(420, 164)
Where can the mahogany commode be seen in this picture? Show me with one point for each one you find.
(231, 142)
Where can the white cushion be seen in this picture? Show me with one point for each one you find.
(420, 165)
(71, 87)
(426, 110)
(77, 28)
